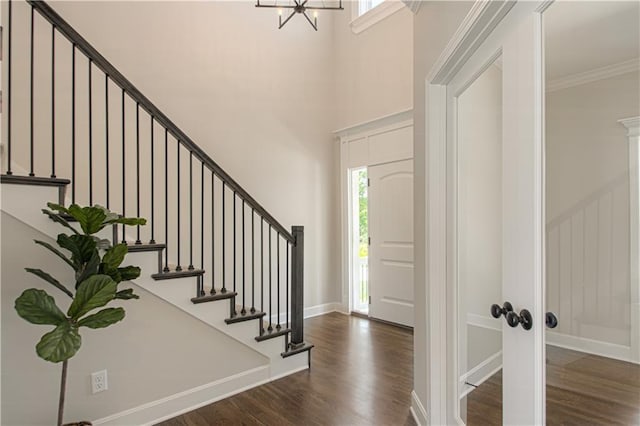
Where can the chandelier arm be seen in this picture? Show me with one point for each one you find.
(323, 8)
(273, 6)
(315, 27)
(286, 20)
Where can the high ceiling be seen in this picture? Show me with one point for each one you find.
(582, 36)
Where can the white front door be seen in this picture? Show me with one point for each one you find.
(495, 219)
(391, 242)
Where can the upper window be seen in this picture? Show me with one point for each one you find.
(366, 13)
(366, 5)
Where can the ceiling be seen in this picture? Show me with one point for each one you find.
(582, 36)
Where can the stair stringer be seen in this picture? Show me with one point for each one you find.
(26, 207)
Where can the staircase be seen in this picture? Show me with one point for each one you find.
(72, 122)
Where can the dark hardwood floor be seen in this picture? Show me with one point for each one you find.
(582, 389)
(361, 374)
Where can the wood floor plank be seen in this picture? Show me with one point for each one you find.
(582, 389)
(362, 374)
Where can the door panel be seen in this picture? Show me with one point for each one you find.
(391, 247)
(591, 164)
(479, 254)
(519, 211)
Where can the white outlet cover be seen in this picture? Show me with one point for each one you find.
(99, 381)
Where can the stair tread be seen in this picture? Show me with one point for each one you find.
(178, 274)
(132, 248)
(34, 180)
(246, 317)
(213, 297)
(274, 333)
(304, 348)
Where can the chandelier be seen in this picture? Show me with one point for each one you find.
(300, 6)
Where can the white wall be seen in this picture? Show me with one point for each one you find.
(586, 147)
(256, 98)
(434, 25)
(587, 158)
(155, 352)
(373, 69)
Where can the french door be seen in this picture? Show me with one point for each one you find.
(500, 196)
(495, 217)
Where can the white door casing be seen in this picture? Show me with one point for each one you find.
(391, 242)
(515, 32)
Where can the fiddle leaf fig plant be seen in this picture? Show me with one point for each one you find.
(97, 274)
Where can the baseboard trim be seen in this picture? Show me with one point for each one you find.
(595, 347)
(480, 373)
(174, 405)
(484, 321)
(417, 410)
(317, 310)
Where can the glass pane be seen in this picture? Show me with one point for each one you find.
(360, 249)
(479, 247)
(592, 81)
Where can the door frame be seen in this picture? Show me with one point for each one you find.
(442, 375)
(356, 152)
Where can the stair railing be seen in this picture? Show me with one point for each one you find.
(108, 117)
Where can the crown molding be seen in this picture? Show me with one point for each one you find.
(632, 124)
(594, 75)
(391, 119)
(413, 6)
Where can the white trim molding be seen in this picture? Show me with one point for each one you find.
(476, 26)
(480, 373)
(417, 410)
(593, 75)
(377, 123)
(632, 124)
(413, 5)
(375, 15)
(173, 405)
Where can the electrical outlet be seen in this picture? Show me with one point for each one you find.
(99, 381)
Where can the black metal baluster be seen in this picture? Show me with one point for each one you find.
(31, 153)
(202, 216)
(253, 262)
(153, 193)
(270, 328)
(90, 112)
(166, 200)
(138, 241)
(224, 263)
(278, 282)
(234, 250)
(262, 268)
(178, 267)
(287, 289)
(73, 124)
(244, 271)
(9, 172)
(213, 235)
(190, 211)
(124, 168)
(106, 132)
(53, 101)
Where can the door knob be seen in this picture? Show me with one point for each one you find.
(497, 311)
(525, 319)
(551, 320)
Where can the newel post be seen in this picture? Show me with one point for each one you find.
(297, 287)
